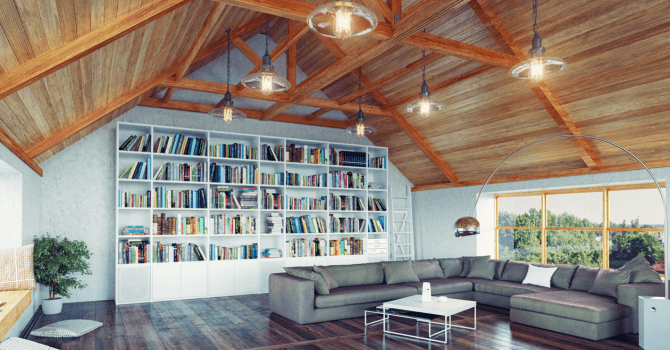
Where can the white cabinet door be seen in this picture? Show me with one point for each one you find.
(268, 267)
(194, 280)
(221, 278)
(134, 284)
(166, 281)
(246, 276)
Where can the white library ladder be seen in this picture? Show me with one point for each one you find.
(403, 229)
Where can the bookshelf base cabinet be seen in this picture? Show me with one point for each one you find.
(168, 179)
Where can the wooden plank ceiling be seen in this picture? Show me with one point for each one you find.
(68, 67)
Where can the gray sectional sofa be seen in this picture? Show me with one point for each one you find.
(307, 295)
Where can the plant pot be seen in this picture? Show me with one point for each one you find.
(52, 307)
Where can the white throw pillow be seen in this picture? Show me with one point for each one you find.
(539, 276)
(67, 329)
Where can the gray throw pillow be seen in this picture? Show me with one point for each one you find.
(584, 278)
(426, 269)
(399, 272)
(482, 267)
(326, 276)
(563, 276)
(641, 271)
(500, 267)
(320, 285)
(451, 267)
(467, 264)
(608, 281)
(515, 271)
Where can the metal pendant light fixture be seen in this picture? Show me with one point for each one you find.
(360, 129)
(424, 106)
(266, 81)
(537, 67)
(226, 111)
(342, 19)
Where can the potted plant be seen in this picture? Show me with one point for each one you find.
(55, 261)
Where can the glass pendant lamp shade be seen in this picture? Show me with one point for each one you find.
(342, 19)
(424, 106)
(266, 80)
(360, 129)
(226, 111)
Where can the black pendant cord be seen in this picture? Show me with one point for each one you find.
(267, 32)
(535, 16)
(228, 74)
(360, 74)
(424, 67)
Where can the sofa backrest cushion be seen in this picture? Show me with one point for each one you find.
(320, 285)
(584, 278)
(426, 269)
(482, 267)
(451, 267)
(467, 264)
(539, 275)
(608, 281)
(563, 276)
(500, 267)
(396, 272)
(325, 274)
(357, 274)
(641, 271)
(515, 271)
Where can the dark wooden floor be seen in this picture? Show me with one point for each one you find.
(245, 322)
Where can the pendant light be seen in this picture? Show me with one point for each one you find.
(266, 81)
(537, 67)
(424, 107)
(360, 129)
(342, 19)
(226, 111)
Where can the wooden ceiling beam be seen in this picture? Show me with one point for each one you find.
(291, 59)
(206, 28)
(14, 148)
(383, 8)
(39, 67)
(583, 147)
(318, 113)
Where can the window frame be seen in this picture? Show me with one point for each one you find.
(605, 229)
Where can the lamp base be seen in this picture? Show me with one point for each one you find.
(654, 322)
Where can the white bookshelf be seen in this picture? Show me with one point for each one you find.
(150, 282)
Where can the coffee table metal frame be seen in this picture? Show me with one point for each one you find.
(446, 313)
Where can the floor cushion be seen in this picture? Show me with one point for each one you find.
(508, 288)
(576, 305)
(443, 286)
(363, 294)
(22, 344)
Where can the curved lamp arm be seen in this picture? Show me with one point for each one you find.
(473, 221)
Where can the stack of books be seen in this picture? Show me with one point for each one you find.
(135, 231)
(271, 253)
(249, 198)
(274, 224)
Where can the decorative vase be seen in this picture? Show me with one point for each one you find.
(52, 307)
(425, 296)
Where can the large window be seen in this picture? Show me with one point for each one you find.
(596, 226)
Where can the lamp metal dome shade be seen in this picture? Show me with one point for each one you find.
(425, 107)
(266, 81)
(466, 225)
(342, 19)
(537, 68)
(227, 112)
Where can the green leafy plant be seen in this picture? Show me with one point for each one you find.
(56, 260)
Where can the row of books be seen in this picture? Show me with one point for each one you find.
(301, 247)
(271, 253)
(223, 198)
(274, 224)
(182, 172)
(305, 203)
(339, 224)
(346, 246)
(234, 150)
(243, 174)
(347, 158)
(137, 171)
(177, 252)
(136, 230)
(305, 224)
(180, 144)
(304, 154)
(131, 200)
(377, 225)
(376, 204)
(272, 179)
(233, 224)
(349, 179)
(134, 251)
(346, 203)
(136, 143)
(191, 199)
(378, 162)
(295, 179)
(275, 153)
(242, 252)
(178, 225)
(271, 199)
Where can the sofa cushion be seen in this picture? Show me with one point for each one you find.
(563, 276)
(323, 271)
(443, 286)
(429, 268)
(515, 271)
(320, 285)
(508, 288)
(482, 267)
(641, 271)
(608, 281)
(539, 276)
(500, 266)
(357, 274)
(572, 304)
(584, 278)
(399, 272)
(343, 296)
(451, 267)
(467, 265)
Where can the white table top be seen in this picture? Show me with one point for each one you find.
(413, 303)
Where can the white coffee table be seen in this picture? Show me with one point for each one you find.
(414, 304)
